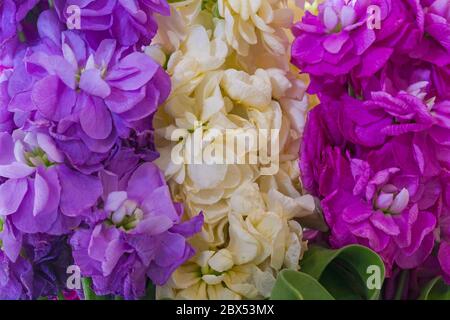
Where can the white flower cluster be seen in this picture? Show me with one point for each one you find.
(228, 61)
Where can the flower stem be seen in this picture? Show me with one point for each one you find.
(87, 289)
(401, 285)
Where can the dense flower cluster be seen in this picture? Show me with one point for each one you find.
(227, 62)
(77, 182)
(376, 150)
(215, 149)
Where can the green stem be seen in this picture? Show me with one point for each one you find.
(150, 292)
(60, 296)
(401, 285)
(87, 289)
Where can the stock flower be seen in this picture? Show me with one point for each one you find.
(49, 256)
(6, 117)
(212, 200)
(15, 279)
(375, 151)
(199, 54)
(40, 270)
(361, 120)
(376, 167)
(342, 40)
(435, 46)
(211, 275)
(229, 79)
(188, 127)
(92, 95)
(264, 238)
(249, 22)
(265, 229)
(11, 14)
(139, 234)
(173, 30)
(41, 194)
(129, 21)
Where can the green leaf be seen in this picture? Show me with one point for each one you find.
(295, 285)
(351, 273)
(436, 289)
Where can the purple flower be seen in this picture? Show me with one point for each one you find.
(444, 254)
(16, 279)
(11, 14)
(140, 234)
(6, 117)
(41, 194)
(376, 166)
(50, 256)
(435, 46)
(129, 21)
(399, 73)
(372, 122)
(92, 96)
(40, 270)
(444, 232)
(378, 209)
(339, 43)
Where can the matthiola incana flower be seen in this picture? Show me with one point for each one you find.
(40, 270)
(129, 21)
(139, 233)
(248, 22)
(41, 193)
(99, 94)
(229, 76)
(435, 46)
(6, 117)
(12, 12)
(342, 39)
(377, 165)
(16, 279)
(263, 239)
(49, 256)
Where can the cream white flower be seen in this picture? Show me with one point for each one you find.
(173, 29)
(228, 61)
(251, 21)
(269, 233)
(211, 275)
(197, 55)
(187, 125)
(250, 90)
(263, 239)
(214, 202)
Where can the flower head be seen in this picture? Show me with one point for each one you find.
(376, 166)
(94, 95)
(340, 41)
(130, 22)
(138, 234)
(41, 194)
(39, 271)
